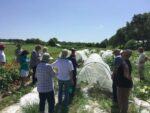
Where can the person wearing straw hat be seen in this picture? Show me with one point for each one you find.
(2, 54)
(65, 68)
(44, 75)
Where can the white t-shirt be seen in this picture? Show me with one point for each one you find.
(64, 67)
(2, 57)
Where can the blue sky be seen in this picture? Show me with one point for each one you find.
(68, 20)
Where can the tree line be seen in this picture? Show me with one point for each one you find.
(136, 33)
(55, 42)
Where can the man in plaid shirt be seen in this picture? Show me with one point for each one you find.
(44, 74)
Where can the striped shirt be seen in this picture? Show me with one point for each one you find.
(44, 74)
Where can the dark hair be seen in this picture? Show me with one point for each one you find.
(24, 52)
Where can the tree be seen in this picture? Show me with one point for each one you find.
(53, 41)
(138, 29)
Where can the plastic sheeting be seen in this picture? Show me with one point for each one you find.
(106, 54)
(96, 72)
(81, 55)
(30, 98)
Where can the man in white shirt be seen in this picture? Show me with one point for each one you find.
(2, 54)
(64, 69)
(141, 62)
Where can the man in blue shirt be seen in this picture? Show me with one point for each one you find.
(117, 63)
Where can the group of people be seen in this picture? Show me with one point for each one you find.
(64, 69)
(121, 76)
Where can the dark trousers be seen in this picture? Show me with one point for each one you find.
(75, 82)
(49, 96)
(63, 88)
(114, 86)
(123, 97)
(34, 79)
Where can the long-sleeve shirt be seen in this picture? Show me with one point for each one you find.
(44, 74)
(35, 59)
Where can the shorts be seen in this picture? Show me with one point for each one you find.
(24, 73)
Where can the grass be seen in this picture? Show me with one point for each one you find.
(14, 97)
(30, 108)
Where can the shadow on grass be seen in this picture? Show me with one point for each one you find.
(61, 108)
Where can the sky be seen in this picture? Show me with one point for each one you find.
(67, 20)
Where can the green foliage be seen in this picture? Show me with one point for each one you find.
(138, 29)
(14, 97)
(142, 90)
(34, 41)
(109, 61)
(30, 108)
(8, 74)
(103, 44)
(131, 44)
(52, 42)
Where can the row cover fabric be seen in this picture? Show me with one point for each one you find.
(96, 72)
(82, 55)
(106, 54)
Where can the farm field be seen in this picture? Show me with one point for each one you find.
(98, 100)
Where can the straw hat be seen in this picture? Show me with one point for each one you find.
(46, 57)
(45, 48)
(65, 53)
(72, 49)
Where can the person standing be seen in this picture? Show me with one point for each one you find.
(141, 62)
(24, 66)
(44, 74)
(72, 58)
(2, 54)
(18, 52)
(65, 68)
(34, 61)
(117, 63)
(124, 81)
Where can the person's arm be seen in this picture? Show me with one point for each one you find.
(52, 73)
(126, 71)
(71, 77)
(117, 63)
(71, 72)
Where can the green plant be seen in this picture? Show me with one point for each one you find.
(30, 108)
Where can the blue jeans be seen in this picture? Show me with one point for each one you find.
(63, 88)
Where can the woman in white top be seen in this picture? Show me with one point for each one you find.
(64, 73)
(2, 54)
